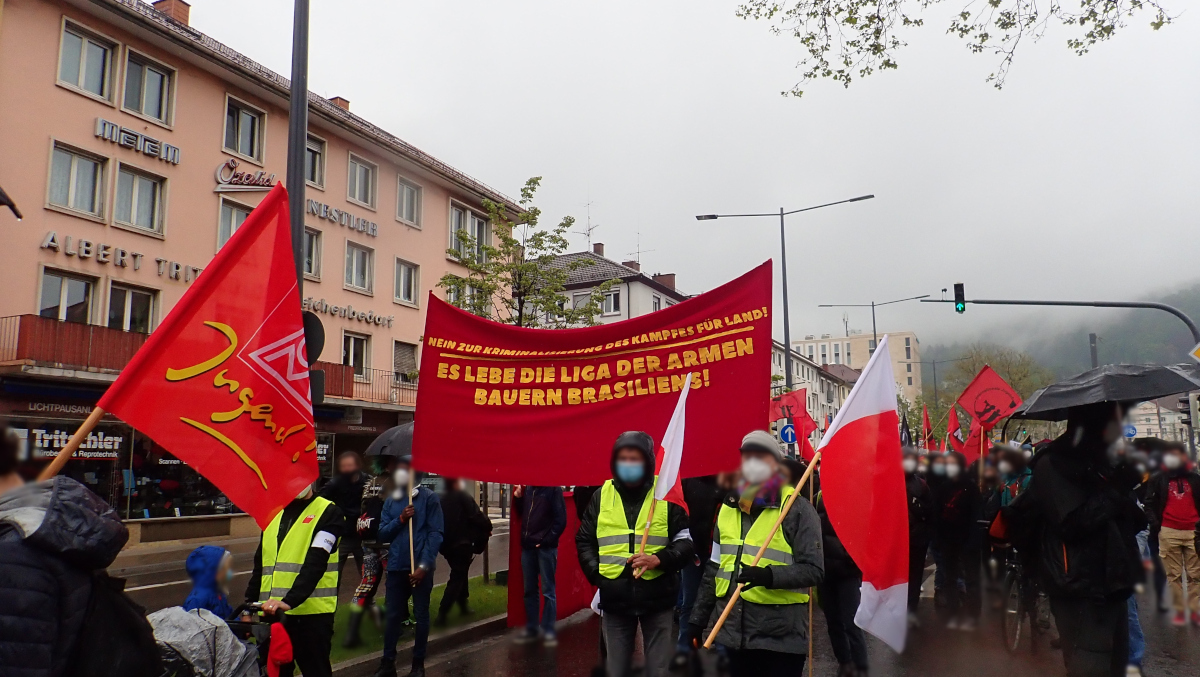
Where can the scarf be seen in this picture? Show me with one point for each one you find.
(761, 495)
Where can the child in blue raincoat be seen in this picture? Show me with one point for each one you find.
(211, 570)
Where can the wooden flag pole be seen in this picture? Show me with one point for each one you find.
(412, 560)
(646, 533)
(810, 593)
(982, 441)
(72, 444)
(737, 592)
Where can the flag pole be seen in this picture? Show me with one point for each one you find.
(412, 560)
(811, 501)
(72, 445)
(646, 533)
(787, 505)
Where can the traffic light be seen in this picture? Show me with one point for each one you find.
(960, 298)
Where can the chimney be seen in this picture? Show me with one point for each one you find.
(632, 264)
(665, 279)
(338, 101)
(598, 249)
(176, 9)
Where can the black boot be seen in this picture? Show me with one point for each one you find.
(387, 668)
(440, 621)
(352, 639)
(418, 669)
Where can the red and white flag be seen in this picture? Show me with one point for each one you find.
(669, 486)
(862, 485)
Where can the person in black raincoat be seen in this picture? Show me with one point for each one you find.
(957, 506)
(920, 527)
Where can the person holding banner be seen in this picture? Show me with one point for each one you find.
(607, 542)
(766, 632)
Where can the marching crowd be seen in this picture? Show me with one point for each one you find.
(1085, 516)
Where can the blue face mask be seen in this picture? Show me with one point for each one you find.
(631, 472)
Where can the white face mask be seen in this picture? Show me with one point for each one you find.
(1028, 454)
(400, 477)
(1171, 462)
(304, 493)
(1004, 467)
(756, 470)
(909, 465)
(952, 470)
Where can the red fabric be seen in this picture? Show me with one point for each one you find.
(1180, 512)
(975, 445)
(280, 650)
(222, 383)
(572, 590)
(954, 430)
(988, 399)
(675, 493)
(794, 404)
(926, 427)
(606, 380)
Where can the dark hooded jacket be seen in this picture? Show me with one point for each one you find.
(53, 534)
(956, 507)
(202, 566)
(543, 512)
(626, 595)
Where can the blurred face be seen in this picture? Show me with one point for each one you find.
(758, 466)
(1174, 459)
(348, 465)
(909, 463)
(727, 480)
(953, 468)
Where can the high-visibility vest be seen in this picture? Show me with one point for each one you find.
(618, 542)
(733, 549)
(281, 562)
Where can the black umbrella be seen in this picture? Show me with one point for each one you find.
(393, 442)
(1126, 384)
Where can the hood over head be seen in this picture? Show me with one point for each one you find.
(63, 517)
(202, 564)
(634, 439)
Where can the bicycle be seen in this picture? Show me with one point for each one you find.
(1025, 610)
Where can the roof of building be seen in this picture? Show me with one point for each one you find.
(599, 269)
(843, 372)
(146, 16)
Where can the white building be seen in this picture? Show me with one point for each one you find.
(1159, 418)
(826, 390)
(635, 293)
(854, 350)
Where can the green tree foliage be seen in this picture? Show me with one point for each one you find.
(845, 39)
(517, 280)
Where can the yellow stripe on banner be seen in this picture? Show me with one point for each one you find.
(592, 356)
(232, 446)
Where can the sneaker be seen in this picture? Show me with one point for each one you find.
(967, 625)
(527, 637)
(952, 624)
(1132, 670)
(550, 640)
(1180, 619)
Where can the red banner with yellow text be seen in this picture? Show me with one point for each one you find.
(543, 406)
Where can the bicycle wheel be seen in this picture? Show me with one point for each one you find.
(1015, 615)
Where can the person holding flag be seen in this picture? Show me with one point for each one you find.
(766, 631)
(639, 586)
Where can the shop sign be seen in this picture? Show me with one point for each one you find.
(347, 311)
(117, 256)
(124, 136)
(231, 180)
(97, 446)
(343, 218)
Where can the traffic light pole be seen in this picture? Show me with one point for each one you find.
(298, 135)
(1086, 304)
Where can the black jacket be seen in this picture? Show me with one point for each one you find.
(543, 516)
(626, 595)
(839, 565)
(315, 560)
(956, 509)
(703, 498)
(1156, 493)
(346, 492)
(463, 521)
(52, 536)
(920, 509)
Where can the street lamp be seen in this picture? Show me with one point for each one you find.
(787, 331)
(871, 305)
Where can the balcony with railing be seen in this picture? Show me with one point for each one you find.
(369, 385)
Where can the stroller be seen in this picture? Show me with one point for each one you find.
(199, 643)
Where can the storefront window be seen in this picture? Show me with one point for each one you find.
(164, 486)
(97, 463)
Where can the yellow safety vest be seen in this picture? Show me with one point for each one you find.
(281, 563)
(618, 542)
(732, 549)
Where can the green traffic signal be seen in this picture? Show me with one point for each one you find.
(960, 298)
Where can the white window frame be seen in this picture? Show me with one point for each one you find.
(260, 142)
(110, 76)
(318, 245)
(168, 119)
(415, 302)
(470, 219)
(655, 303)
(356, 159)
(317, 142)
(401, 184)
(92, 284)
(127, 288)
(369, 290)
(160, 205)
(366, 339)
(101, 182)
(608, 309)
(220, 209)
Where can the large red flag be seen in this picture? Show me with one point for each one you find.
(222, 383)
(862, 486)
(788, 404)
(988, 398)
(954, 430)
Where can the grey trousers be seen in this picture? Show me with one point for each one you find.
(658, 642)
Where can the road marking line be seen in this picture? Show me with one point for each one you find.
(163, 585)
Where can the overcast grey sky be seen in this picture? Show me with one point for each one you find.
(1078, 180)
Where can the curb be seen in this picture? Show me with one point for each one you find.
(367, 664)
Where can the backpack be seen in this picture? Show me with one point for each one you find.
(115, 639)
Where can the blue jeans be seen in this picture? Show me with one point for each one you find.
(399, 590)
(1137, 640)
(539, 564)
(689, 584)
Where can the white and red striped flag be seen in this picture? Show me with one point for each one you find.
(669, 486)
(862, 485)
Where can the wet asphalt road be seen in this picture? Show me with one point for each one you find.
(932, 652)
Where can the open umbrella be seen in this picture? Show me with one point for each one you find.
(393, 442)
(1127, 384)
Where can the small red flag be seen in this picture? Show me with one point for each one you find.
(789, 404)
(954, 431)
(926, 427)
(988, 399)
(222, 383)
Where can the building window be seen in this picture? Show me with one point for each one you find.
(810, 352)
(408, 203)
(837, 353)
(147, 88)
(362, 182)
(358, 267)
(76, 181)
(907, 341)
(824, 354)
(130, 309)
(909, 380)
(612, 303)
(404, 361)
(139, 200)
(908, 353)
(312, 253)
(407, 282)
(356, 352)
(66, 298)
(233, 215)
(243, 130)
(909, 365)
(85, 62)
(314, 162)
(477, 230)
(655, 303)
